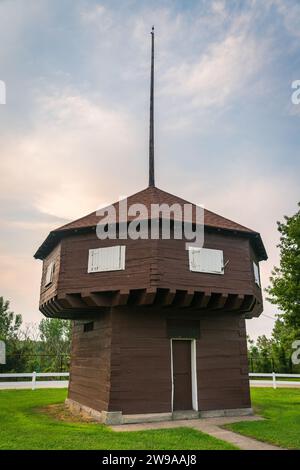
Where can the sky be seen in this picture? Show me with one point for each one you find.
(74, 129)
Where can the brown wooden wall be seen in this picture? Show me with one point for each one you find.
(90, 364)
(238, 276)
(141, 381)
(151, 264)
(74, 276)
(51, 290)
(141, 375)
(222, 365)
(134, 376)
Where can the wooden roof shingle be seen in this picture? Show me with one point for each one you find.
(147, 197)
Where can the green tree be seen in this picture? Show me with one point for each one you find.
(284, 289)
(283, 336)
(10, 332)
(9, 322)
(56, 337)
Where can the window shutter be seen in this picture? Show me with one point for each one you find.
(256, 273)
(106, 259)
(93, 261)
(122, 257)
(49, 273)
(206, 260)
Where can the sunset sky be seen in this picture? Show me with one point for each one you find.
(74, 130)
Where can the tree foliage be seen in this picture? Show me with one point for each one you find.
(56, 338)
(45, 347)
(275, 353)
(9, 322)
(284, 290)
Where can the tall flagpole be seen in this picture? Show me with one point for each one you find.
(151, 130)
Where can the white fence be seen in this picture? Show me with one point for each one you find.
(271, 380)
(34, 383)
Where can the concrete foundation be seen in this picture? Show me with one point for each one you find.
(117, 417)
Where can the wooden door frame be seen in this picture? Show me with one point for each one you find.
(193, 372)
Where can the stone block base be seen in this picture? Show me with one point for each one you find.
(116, 417)
(226, 413)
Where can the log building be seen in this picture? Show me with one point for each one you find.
(158, 329)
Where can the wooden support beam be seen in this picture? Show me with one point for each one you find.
(218, 301)
(167, 297)
(97, 299)
(42, 309)
(203, 300)
(257, 309)
(54, 306)
(197, 299)
(248, 304)
(57, 304)
(187, 298)
(48, 310)
(179, 298)
(120, 297)
(234, 301)
(63, 301)
(71, 301)
(147, 297)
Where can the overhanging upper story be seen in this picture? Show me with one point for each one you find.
(82, 274)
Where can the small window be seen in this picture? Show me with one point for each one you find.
(205, 260)
(256, 273)
(88, 326)
(106, 259)
(49, 274)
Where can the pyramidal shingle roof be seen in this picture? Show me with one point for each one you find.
(153, 195)
(148, 196)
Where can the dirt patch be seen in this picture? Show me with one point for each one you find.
(62, 413)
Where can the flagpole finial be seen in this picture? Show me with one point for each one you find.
(151, 127)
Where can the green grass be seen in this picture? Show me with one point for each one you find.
(24, 426)
(281, 408)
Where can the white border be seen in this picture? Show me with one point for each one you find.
(193, 372)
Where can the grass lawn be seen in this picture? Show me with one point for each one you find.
(281, 408)
(24, 426)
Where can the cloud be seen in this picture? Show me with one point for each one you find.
(78, 136)
(220, 75)
(290, 12)
(20, 283)
(64, 165)
(97, 16)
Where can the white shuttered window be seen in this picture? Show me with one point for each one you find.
(256, 274)
(205, 260)
(49, 273)
(106, 259)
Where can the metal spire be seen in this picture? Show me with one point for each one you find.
(151, 130)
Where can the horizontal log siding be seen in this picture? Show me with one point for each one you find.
(222, 364)
(175, 273)
(90, 364)
(152, 264)
(48, 292)
(141, 364)
(140, 265)
(141, 375)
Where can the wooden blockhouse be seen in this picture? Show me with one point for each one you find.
(158, 329)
